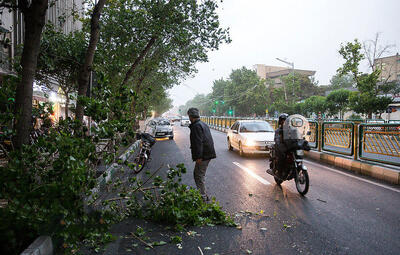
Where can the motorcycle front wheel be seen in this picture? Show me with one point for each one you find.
(140, 161)
(302, 182)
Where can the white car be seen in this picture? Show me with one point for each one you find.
(164, 129)
(251, 136)
(160, 128)
(185, 121)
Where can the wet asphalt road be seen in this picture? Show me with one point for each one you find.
(341, 214)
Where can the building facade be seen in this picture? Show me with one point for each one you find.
(390, 68)
(6, 42)
(276, 73)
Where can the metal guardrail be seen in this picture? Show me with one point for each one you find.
(338, 137)
(380, 142)
(377, 142)
(313, 138)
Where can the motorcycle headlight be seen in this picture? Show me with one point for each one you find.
(250, 142)
(299, 152)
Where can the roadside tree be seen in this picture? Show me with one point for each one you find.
(342, 81)
(34, 19)
(371, 97)
(315, 104)
(337, 102)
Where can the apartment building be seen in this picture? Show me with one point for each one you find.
(276, 73)
(390, 68)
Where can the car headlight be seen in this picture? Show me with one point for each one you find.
(250, 143)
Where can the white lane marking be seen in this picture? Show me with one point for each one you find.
(355, 177)
(258, 178)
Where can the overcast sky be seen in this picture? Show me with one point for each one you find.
(306, 32)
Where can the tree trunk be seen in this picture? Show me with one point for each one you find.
(34, 20)
(83, 79)
(129, 74)
(138, 87)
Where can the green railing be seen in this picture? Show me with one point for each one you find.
(377, 142)
(380, 142)
(338, 137)
(313, 138)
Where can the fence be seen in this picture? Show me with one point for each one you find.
(376, 141)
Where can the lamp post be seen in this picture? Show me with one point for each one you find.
(290, 64)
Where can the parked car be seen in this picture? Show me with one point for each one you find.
(164, 129)
(185, 121)
(250, 136)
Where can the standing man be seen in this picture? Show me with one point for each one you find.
(202, 147)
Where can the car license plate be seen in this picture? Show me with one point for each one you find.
(161, 133)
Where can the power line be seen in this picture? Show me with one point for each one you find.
(228, 99)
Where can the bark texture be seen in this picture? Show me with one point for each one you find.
(34, 19)
(83, 80)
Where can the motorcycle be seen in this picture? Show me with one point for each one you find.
(295, 130)
(146, 142)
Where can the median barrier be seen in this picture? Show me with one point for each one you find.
(41, 246)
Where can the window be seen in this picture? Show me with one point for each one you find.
(163, 123)
(235, 126)
(254, 127)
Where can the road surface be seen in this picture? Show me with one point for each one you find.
(341, 214)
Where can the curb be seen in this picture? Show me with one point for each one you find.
(41, 246)
(378, 172)
(110, 171)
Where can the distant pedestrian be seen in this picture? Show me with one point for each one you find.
(202, 147)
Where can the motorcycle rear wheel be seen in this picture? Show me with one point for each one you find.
(302, 182)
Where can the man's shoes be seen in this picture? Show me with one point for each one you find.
(206, 199)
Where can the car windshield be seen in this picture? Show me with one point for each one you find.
(163, 123)
(249, 127)
(185, 118)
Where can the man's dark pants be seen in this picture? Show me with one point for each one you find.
(199, 174)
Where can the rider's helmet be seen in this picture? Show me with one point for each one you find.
(282, 118)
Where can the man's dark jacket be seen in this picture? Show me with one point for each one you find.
(201, 142)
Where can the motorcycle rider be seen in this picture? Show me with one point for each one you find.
(280, 147)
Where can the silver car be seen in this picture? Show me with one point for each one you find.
(164, 129)
(250, 136)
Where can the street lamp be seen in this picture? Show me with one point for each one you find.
(290, 64)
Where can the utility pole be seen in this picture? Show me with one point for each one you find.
(290, 64)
